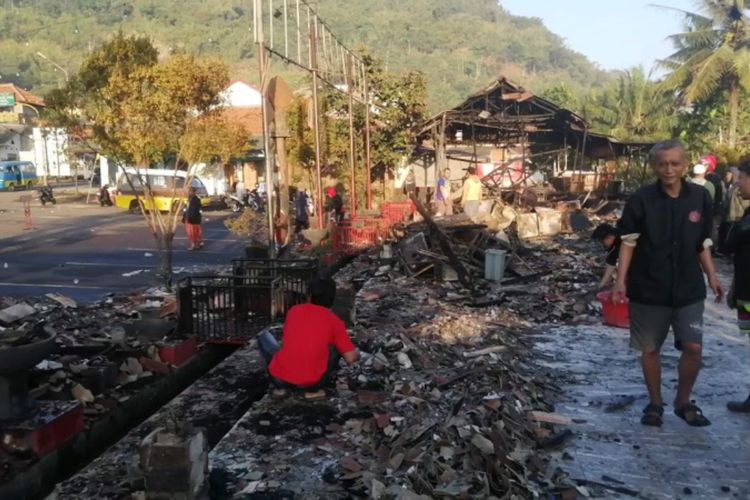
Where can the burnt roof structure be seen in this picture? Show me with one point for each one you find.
(505, 113)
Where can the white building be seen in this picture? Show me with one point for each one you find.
(20, 140)
(240, 94)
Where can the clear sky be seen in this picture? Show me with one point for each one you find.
(616, 34)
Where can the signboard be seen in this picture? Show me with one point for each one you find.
(9, 117)
(7, 99)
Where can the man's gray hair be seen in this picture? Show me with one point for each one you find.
(665, 146)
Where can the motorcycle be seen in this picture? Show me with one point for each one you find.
(234, 202)
(250, 199)
(105, 198)
(46, 195)
(256, 200)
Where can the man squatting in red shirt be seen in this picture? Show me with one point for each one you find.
(313, 341)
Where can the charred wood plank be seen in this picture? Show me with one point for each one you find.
(445, 246)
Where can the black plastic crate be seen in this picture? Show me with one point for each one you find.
(295, 275)
(229, 308)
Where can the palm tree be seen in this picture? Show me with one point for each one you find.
(711, 54)
(633, 108)
(642, 110)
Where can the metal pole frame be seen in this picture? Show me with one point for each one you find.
(267, 153)
(352, 166)
(368, 159)
(316, 124)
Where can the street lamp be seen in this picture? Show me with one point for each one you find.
(53, 63)
(44, 137)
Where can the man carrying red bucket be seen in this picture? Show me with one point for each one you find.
(666, 239)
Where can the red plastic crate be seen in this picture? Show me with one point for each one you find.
(397, 212)
(353, 236)
(51, 425)
(179, 353)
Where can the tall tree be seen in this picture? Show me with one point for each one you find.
(712, 54)
(398, 109)
(140, 112)
(399, 99)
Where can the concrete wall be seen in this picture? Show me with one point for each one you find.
(49, 152)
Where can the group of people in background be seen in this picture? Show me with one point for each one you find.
(723, 190)
(469, 196)
(659, 256)
(304, 208)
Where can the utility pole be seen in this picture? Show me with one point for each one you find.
(352, 166)
(267, 153)
(316, 124)
(368, 160)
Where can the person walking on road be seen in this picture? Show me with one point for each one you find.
(192, 221)
(665, 230)
(738, 242)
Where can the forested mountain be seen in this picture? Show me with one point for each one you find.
(461, 45)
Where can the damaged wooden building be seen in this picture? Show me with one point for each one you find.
(516, 140)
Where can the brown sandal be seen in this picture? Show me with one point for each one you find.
(739, 406)
(652, 415)
(693, 415)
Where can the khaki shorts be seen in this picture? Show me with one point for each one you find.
(444, 207)
(649, 325)
(743, 316)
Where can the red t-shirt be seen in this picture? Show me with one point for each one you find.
(309, 330)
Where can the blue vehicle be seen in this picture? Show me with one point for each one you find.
(17, 175)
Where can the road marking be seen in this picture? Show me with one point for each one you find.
(54, 285)
(104, 264)
(229, 240)
(180, 250)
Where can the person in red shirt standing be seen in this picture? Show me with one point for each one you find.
(313, 341)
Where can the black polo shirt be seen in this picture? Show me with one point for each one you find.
(739, 241)
(665, 269)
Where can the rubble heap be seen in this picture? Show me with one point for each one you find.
(446, 403)
(108, 344)
(105, 353)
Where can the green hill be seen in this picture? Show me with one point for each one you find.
(461, 45)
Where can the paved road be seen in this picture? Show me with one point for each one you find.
(85, 251)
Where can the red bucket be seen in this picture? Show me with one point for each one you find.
(614, 314)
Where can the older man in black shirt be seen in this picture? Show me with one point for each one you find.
(665, 230)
